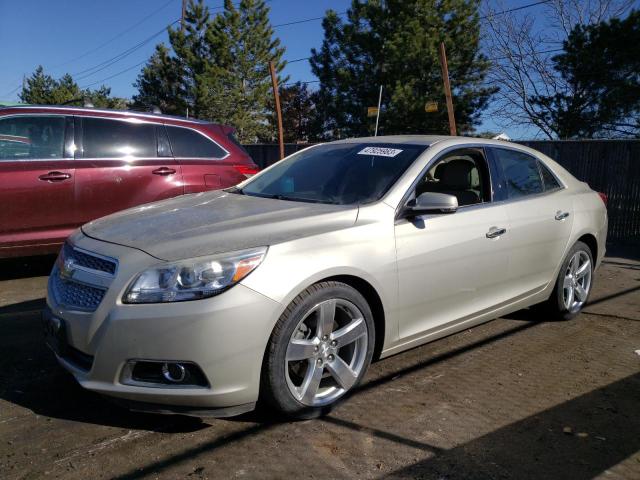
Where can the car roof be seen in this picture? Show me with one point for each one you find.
(87, 110)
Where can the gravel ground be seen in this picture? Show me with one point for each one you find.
(517, 398)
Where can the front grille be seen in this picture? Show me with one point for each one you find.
(85, 260)
(75, 295)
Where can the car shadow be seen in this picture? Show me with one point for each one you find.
(25, 267)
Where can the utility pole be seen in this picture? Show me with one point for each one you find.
(276, 96)
(184, 11)
(378, 113)
(447, 89)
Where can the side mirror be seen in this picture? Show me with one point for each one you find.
(431, 202)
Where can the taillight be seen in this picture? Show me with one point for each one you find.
(246, 170)
(604, 198)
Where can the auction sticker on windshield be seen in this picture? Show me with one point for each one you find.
(380, 151)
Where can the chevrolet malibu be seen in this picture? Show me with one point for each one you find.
(284, 288)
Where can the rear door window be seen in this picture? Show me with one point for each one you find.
(106, 138)
(36, 137)
(187, 143)
(520, 171)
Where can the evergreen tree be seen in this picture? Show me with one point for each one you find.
(43, 89)
(298, 113)
(394, 43)
(235, 88)
(218, 68)
(161, 84)
(600, 68)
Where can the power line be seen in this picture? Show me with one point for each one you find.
(107, 63)
(515, 9)
(114, 38)
(114, 75)
(304, 20)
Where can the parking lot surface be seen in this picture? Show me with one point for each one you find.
(519, 397)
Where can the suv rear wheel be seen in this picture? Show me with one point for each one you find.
(319, 350)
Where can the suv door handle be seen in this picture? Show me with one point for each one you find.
(54, 176)
(560, 215)
(164, 171)
(496, 232)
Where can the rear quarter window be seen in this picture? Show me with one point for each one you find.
(187, 143)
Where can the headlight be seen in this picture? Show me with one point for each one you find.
(193, 279)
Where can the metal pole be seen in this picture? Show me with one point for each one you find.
(378, 113)
(276, 96)
(447, 89)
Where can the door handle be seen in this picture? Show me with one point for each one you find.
(164, 171)
(54, 176)
(496, 232)
(560, 215)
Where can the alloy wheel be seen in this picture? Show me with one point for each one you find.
(326, 353)
(577, 281)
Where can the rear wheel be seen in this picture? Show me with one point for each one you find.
(319, 350)
(573, 284)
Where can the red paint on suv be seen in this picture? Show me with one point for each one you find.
(61, 167)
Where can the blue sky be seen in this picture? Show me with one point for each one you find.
(71, 36)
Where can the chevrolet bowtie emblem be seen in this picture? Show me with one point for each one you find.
(68, 267)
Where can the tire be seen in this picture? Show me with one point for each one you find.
(303, 373)
(571, 276)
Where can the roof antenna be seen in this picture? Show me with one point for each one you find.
(155, 109)
(88, 103)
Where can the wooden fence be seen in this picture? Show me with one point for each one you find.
(608, 166)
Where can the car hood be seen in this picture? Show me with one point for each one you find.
(215, 222)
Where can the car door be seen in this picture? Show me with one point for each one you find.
(540, 212)
(122, 163)
(37, 178)
(451, 266)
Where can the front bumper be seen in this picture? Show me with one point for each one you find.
(226, 336)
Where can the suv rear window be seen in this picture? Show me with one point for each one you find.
(105, 138)
(187, 143)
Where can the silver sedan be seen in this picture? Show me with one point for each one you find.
(284, 288)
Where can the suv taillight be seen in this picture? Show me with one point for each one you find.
(246, 170)
(604, 198)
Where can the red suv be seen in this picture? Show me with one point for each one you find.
(61, 167)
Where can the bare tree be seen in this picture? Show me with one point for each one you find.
(521, 46)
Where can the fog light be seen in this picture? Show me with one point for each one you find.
(162, 373)
(174, 372)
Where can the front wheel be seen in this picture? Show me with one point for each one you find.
(319, 350)
(573, 284)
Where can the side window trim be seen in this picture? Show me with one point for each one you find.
(38, 114)
(163, 144)
(560, 185)
(539, 163)
(79, 136)
(411, 190)
(226, 155)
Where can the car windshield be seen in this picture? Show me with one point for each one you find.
(343, 173)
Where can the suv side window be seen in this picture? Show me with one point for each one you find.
(32, 137)
(520, 172)
(187, 143)
(106, 138)
(550, 181)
